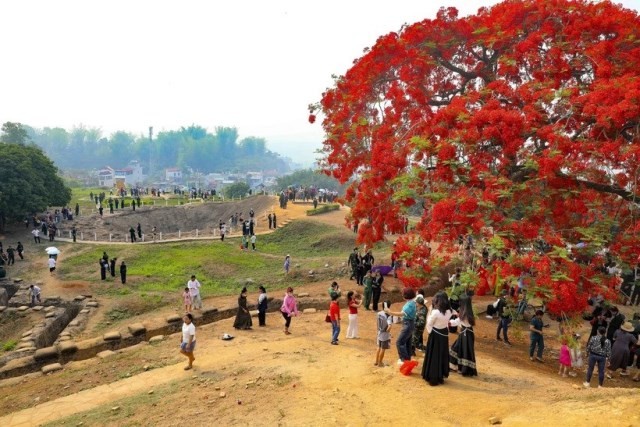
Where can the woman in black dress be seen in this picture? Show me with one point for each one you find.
(243, 317)
(462, 355)
(436, 356)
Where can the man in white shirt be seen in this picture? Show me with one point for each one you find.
(194, 290)
(36, 235)
(52, 265)
(35, 294)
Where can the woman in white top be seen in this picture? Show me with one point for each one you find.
(462, 356)
(436, 356)
(188, 339)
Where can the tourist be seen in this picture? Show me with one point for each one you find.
(536, 336)
(194, 288)
(421, 322)
(623, 338)
(617, 319)
(112, 267)
(462, 356)
(123, 272)
(384, 322)
(287, 264)
(52, 264)
(596, 323)
(34, 292)
(36, 235)
(599, 350)
(253, 242)
(504, 318)
(408, 314)
(262, 306)
(186, 300)
(436, 356)
(334, 289)
(139, 229)
(103, 269)
(20, 249)
(368, 289)
(223, 231)
(288, 309)
(243, 317)
(334, 315)
(353, 304)
(354, 260)
(188, 339)
(376, 289)
(132, 234)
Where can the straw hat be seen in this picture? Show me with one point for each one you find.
(627, 327)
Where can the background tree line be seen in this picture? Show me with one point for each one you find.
(29, 181)
(309, 177)
(189, 147)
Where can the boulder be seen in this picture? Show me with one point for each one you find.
(79, 298)
(37, 308)
(92, 304)
(26, 339)
(156, 338)
(4, 297)
(303, 294)
(46, 353)
(25, 344)
(51, 368)
(112, 336)
(137, 329)
(28, 333)
(84, 311)
(105, 354)
(2, 308)
(17, 280)
(174, 318)
(309, 310)
(49, 308)
(74, 323)
(67, 347)
(50, 315)
(23, 308)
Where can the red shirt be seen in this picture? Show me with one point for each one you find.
(334, 310)
(353, 307)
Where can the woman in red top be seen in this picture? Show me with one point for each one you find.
(334, 314)
(354, 303)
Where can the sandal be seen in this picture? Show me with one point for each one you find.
(186, 368)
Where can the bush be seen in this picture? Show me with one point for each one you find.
(324, 209)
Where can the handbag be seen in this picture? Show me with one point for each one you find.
(327, 318)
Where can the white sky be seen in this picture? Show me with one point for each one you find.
(131, 64)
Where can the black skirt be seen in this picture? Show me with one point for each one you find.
(436, 357)
(462, 353)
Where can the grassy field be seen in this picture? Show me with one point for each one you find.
(222, 265)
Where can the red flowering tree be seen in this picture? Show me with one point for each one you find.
(522, 119)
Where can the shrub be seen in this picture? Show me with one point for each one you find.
(324, 209)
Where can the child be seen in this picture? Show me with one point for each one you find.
(186, 298)
(576, 355)
(354, 303)
(564, 359)
(334, 314)
(384, 333)
(287, 263)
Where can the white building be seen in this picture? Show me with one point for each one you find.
(173, 174)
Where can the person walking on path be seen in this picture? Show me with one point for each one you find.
(353, 303)
(536, 336)
(599, 350)
(334, 315)
(188, 344)
(263, 303)
(74, 232)
(36, 235)
(123, 272)
(408, 314)
(435, 367)
(186, 300)
(103, 269)
(34, 292)
(253, 242)
(11, 257)
(288, 309)
(270, 219)
(52, 265)
(20, 249)
(274, 221)
(132, 234)
(287, 264)
(194, 288)
(243, 317)
(462, 356)
(139, 229)
(376, 289)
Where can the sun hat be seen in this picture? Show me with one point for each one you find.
(627, 327)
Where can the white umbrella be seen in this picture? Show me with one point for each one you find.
(51, 250)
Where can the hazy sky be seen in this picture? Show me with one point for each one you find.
(131, 64)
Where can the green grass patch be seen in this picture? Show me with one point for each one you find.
(323, 209)
(9, 345)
